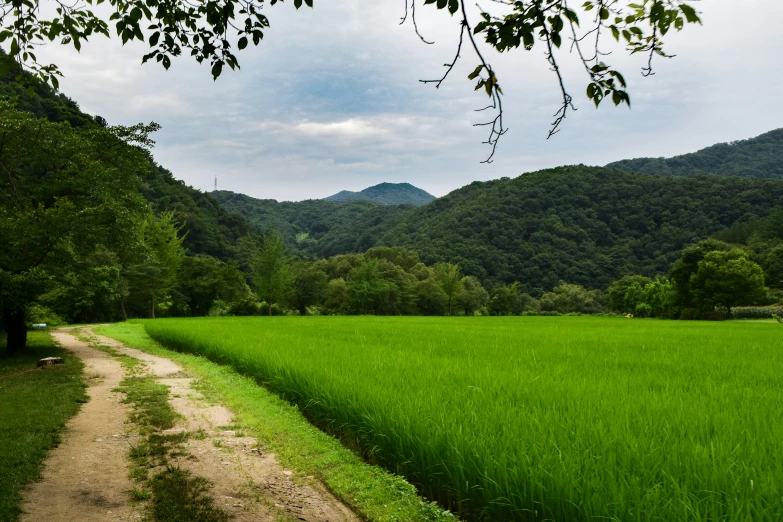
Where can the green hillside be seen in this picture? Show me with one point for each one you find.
(312, 225)
(759, 157)
(387, 194)
(210, 228)
(585, 225)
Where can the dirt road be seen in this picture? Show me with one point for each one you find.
(86, 477)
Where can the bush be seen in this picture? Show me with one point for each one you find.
(756, 312)
(40, 314)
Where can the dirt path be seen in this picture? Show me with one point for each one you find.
(86, 477)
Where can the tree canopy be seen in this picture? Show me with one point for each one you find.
(63, 195)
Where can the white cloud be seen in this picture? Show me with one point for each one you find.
(331, 100)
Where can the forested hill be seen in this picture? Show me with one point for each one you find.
(387, 194)
(210, 228)
(305, 224)
(585, 225)
(759, 157)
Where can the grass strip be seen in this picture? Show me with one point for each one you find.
(36, 404)
(175, 494)
(371, 491)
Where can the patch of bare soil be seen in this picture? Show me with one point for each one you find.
(248, 483)
(86, 476)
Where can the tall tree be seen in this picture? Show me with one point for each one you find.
(162, 255)
(687, 265)
(625, 294)
(309, 286)
(473, 296)
(62, 192)
(450, 280)
(202, 280)
(728, 279)
(367, 289)
(272, 275)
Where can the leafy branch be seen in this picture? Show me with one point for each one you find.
(639, 26)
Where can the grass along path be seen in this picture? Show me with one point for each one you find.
(35, 405)
(280, 428)
(196, 463)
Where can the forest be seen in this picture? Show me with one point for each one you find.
(126, 239)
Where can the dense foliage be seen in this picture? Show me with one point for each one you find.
(577, 224)
(210, 228)
(535, 419)
(546, 242)
(387, 194)
(759, 157)
(65, 197)
(316, 226)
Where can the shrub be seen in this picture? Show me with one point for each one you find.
(756, 312)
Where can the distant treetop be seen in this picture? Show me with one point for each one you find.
(759, 157)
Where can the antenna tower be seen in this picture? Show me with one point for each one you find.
(215, 182)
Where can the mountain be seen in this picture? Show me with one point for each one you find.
(387, 194)
(210, 228)
(585, 225)
(305, 224)
(759, 157)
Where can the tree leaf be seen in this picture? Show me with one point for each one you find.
(217, 69)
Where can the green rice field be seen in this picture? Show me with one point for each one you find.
(534, 418)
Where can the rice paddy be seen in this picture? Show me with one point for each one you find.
(534, 418)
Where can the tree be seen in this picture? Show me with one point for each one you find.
(367, 289)
(161, 257)
(202, 280)
(336, 296)
(687, 265)
(431, 299)
(210, 31)
(774, 267)
(568, 298)
(62, 192)
(309, 286)
(473, 296)
(504, 300)
(728, 279)
(625, 294)
(272, 275)
(660, 296)
(450, 280)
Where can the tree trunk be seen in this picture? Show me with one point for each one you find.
(122, 306)
(269, 304)
(153, 307)
(17, 331)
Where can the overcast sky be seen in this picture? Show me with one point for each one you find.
(331, 100)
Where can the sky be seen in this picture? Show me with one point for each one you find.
(331, 100)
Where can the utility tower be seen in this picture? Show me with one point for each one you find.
(215, 182)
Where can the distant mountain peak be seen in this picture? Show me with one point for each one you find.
(387, 194)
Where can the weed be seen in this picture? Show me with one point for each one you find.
(178, 495)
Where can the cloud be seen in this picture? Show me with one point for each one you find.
(331, 100)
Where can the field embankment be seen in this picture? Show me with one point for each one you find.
(534, 418)
(35, 404)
